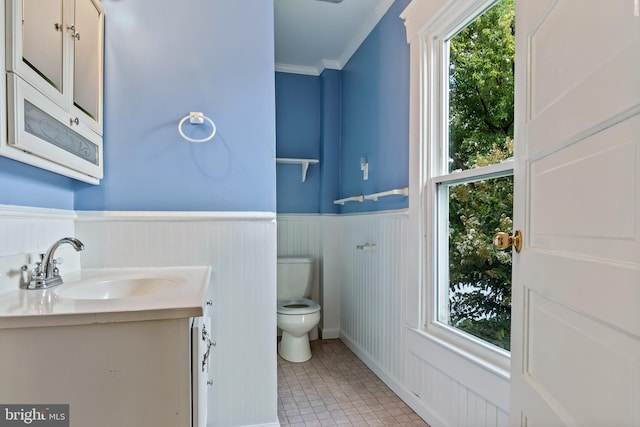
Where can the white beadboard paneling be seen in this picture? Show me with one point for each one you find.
(456, 390)
(371, 295)
(30, 230)
(301, 236)
(440, 384)
(242, 252)
(446, 401)
(374, 289)
(330, 277)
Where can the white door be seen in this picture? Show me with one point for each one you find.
(576, 285)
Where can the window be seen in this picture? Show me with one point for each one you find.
(470, 183)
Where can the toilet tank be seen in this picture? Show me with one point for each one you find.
(295, 277)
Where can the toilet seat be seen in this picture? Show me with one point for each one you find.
(297, 306)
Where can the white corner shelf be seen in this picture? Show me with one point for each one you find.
(374, 196)
(304, 163)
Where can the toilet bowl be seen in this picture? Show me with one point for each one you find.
(296, 317)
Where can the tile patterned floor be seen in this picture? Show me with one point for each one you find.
(335, 388)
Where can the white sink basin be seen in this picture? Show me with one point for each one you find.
(105, 295)
(117, 288)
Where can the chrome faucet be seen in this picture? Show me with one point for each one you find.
(46, 273)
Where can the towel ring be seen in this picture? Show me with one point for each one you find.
(197, 118)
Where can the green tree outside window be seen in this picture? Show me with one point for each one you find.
(481, 118)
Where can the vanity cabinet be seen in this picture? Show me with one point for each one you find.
(112, 374)
(120, 346)
(54, 64)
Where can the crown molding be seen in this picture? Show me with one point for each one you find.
(331, 64)
(365, 29)
(298, 69)
(352, 46)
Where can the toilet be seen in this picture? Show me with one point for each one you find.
(297, 314)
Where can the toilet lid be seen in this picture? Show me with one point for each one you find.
(298, 306)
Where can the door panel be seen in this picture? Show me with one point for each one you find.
(556, 333)
(42, 38)
(569, 46)
(576, 283)
(87, 74)
(571, 70)
(586, 285)
(576, 211)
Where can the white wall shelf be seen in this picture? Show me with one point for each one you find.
(374, 196)
(397, 191)
(349, 199)
(302, 162)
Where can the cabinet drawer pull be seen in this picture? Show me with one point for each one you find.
(75, 121)
(205, 358)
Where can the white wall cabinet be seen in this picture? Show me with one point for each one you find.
(56, 49)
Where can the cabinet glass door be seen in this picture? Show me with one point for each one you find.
(87, 51)
(42, 35)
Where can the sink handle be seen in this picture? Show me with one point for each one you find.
(33, 265)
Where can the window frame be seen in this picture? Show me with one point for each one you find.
(434, 91)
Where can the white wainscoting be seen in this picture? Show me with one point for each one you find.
(454, 391)
(376, 293)
(32, 230)
(301, 236)
(241, 248)
(377, 304)
(372, 283)
(314, 236)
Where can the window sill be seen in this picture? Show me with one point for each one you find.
(490, 359)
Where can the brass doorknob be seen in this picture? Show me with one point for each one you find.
(503, 240)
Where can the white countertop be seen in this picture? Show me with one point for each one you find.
(185, 297)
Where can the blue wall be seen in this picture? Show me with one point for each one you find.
(25, 185)
(331, 107)
(163, 60)
(298, 135)
(308, 117)
(361, 111)
(223, 66)
(375, 115)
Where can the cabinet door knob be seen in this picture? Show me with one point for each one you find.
(75, 121)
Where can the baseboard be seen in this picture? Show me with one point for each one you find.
(330, 334)
(264, 425)
(418, 406)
